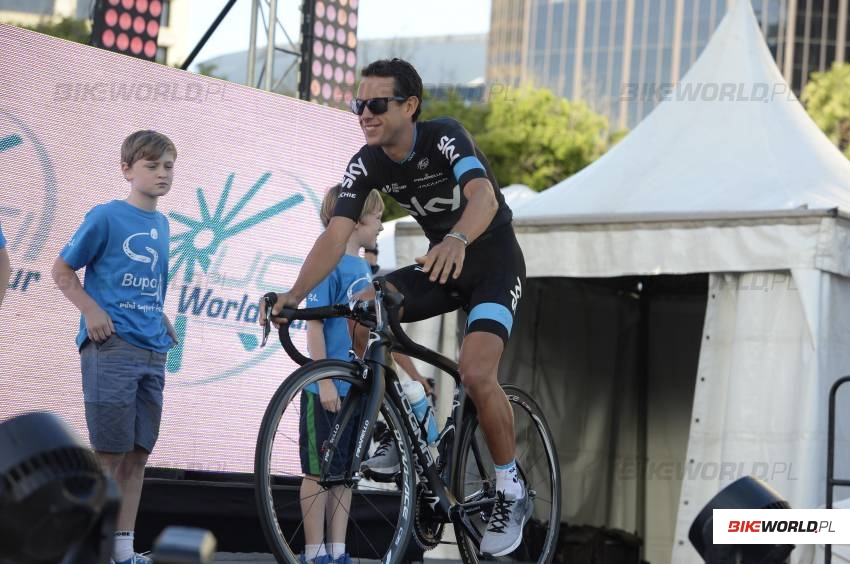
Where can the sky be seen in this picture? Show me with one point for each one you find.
(377, 19)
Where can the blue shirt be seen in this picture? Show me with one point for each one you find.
(351, 275)
(2, 239)
(124, 250)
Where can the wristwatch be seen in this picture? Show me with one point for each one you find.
(459, 236)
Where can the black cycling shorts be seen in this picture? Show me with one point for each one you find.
(314, 429)
(489, 287)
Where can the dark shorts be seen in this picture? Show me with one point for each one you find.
(489, 288)
(122, 390)
(314, 429)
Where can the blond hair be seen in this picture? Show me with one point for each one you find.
(373, 204)
(146, 144)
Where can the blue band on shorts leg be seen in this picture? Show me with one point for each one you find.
(494, 311)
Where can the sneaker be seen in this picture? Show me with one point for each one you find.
(344, 559)
(323, 559)
(385, 459)
(504, 530)
(135, 559)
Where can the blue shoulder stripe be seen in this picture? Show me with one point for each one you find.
(466, 164)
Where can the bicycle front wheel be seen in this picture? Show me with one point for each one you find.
(537, 462)
(373, 519)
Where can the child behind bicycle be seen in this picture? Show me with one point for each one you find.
(330, 338)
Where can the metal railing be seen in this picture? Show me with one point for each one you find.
(831, 480)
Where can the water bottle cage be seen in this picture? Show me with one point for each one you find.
(423, 423)
(444, 444)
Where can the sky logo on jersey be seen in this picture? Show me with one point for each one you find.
(355, 169)
(516, 294)
(209, 251)
(446, 146)
(434, 205)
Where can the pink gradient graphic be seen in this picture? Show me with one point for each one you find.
(250, 173)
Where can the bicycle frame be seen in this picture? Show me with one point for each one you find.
(381, 381)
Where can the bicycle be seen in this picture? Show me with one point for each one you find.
(426, 493)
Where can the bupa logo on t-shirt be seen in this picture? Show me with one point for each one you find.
(147, 285)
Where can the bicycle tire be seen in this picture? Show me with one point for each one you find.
(475, 479)
(277, 436)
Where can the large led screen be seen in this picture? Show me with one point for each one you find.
(250, 173)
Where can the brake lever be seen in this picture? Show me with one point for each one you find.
(269, 299)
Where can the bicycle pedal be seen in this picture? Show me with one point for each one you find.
(379, 477)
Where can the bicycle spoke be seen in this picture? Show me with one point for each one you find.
(536, 463)
(286, 446)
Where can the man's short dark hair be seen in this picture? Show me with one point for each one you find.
(407, 81)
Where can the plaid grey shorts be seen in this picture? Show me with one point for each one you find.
(122, 390)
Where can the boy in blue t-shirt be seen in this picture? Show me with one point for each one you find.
(5, 267)
(319, 402)
(124, 333)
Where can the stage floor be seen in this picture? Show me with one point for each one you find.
(257, 558)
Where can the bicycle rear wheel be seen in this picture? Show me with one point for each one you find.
(379, 515)
(537, 461)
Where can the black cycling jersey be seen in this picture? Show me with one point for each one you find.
(428, 183)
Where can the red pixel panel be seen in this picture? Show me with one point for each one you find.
(332, 59)
(130, 27)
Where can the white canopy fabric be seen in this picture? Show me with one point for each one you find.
(710, 149)
(751, 196)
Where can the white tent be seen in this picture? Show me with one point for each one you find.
(687, 303)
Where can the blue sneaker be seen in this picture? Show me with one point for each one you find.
(323, 559)
(344, 559)
(135, 559)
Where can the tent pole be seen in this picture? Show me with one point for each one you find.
(642, 413)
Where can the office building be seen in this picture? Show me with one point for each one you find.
(599, 51)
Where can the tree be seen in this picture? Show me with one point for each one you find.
(533, 137)
(68, 28)
(472, 115)
(827, 99)
(208, 69)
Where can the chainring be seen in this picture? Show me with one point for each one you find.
(427, 527)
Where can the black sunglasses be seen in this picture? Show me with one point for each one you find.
(377, 106)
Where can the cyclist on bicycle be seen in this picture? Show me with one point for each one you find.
(436, 171)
